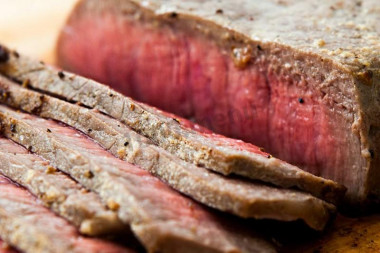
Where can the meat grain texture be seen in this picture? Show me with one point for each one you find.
(33, 228)
(57, 191)
(300, 78)
(242, 198)
(161, 218)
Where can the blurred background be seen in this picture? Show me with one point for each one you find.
(32, 26)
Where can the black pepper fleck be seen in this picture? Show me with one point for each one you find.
(48, 130)
(25, 83)
(13, 128)
(89, 130)
(61, 75)
(269, 156)
(174, 15)
(259, 48)
(372, 153)
(89, 174)
(219, 11)
(16, 54)
(176, 120)
(4, 54)
(30, 148)
(366, 75)
(301, 101)
(126, 143)
(4, 94)
(111, 95)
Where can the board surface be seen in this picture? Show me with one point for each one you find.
(32, 27)
(346, 235)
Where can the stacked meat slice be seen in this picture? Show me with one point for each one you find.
(124, 164)
(32, 228)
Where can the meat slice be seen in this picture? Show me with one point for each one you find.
(212, 151)
(162, 219)
(246, 199)
(30, 227)
(295, 77)
(57, 191)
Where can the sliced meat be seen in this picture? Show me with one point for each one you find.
(295, 77)
(204, 149)
(30, 227)
(246, 199)
(158, 215)
(57, 191)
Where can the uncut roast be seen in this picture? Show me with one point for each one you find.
(299, 78)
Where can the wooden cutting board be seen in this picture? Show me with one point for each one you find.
(32, 26)
(346, 235)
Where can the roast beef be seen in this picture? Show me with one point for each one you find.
(57, 191)
(30, 227)
(162, 219)
(236, 196)
(300, 78)
(213, 151)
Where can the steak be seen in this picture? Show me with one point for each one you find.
(31, 227)
(57, 191)
(162, 219)
(299, 78)
(246, 199)
(218, 153)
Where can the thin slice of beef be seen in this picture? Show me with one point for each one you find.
(57, 191)
(161, 218)
(30, 227)
(212, 151)
(246, 199)
(299, 78)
